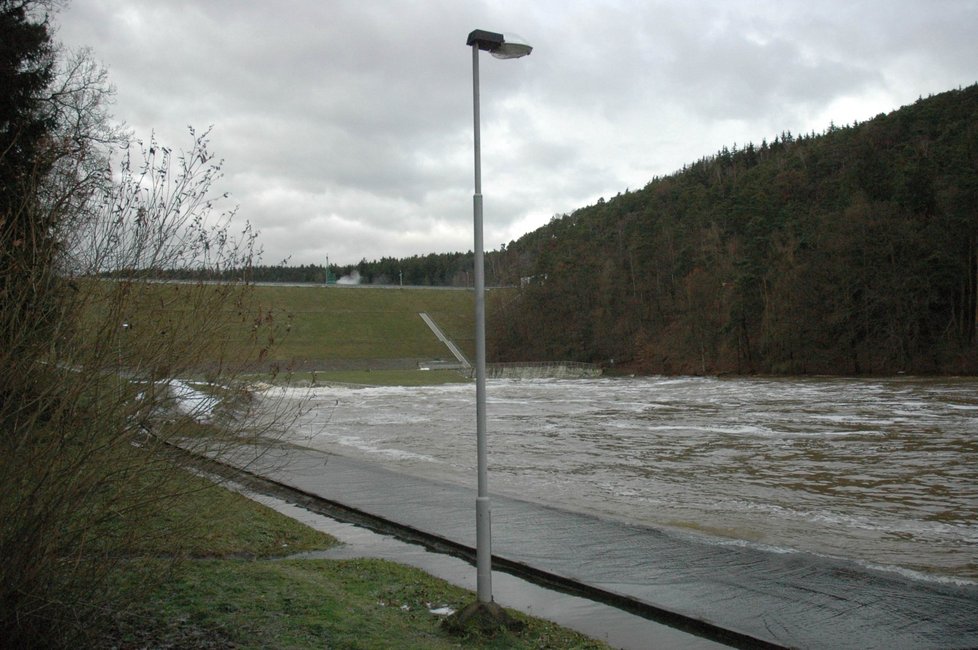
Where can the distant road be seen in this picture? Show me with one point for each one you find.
(368, 286)
(356, 286)
(319, 284)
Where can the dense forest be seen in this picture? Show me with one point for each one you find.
(851, 251)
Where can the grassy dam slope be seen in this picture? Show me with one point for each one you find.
(360, 328)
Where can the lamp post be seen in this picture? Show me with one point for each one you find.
(496, 45)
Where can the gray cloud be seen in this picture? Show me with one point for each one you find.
(346, 125)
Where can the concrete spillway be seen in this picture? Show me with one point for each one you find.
(450, 344)
(522, 370)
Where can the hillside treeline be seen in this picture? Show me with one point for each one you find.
(852, 251)
(434, 270)
(306, 273)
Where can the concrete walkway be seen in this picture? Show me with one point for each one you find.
(776, 599)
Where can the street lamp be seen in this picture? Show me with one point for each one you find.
(496, 45)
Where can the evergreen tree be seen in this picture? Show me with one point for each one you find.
(26, 70)
(27, 248)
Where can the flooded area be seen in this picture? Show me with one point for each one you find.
(613, 626)
(880, 471)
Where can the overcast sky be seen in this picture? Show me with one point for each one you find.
(346, 125)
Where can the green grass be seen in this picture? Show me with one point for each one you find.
(306, 328)
(364, 603)
(327, 323)
(237, 589)
(207, 520)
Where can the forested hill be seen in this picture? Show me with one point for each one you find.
(853, 251)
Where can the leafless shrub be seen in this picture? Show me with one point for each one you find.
(100, 376)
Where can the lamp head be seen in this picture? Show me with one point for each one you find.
(497, 45)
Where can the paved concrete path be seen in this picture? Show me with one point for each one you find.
(786, 599)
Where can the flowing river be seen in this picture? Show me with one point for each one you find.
(880, 471)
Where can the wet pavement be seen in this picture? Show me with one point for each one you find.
(728, 592)
(617, 628)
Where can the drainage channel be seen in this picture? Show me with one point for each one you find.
(618, 621)
(614, 626)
